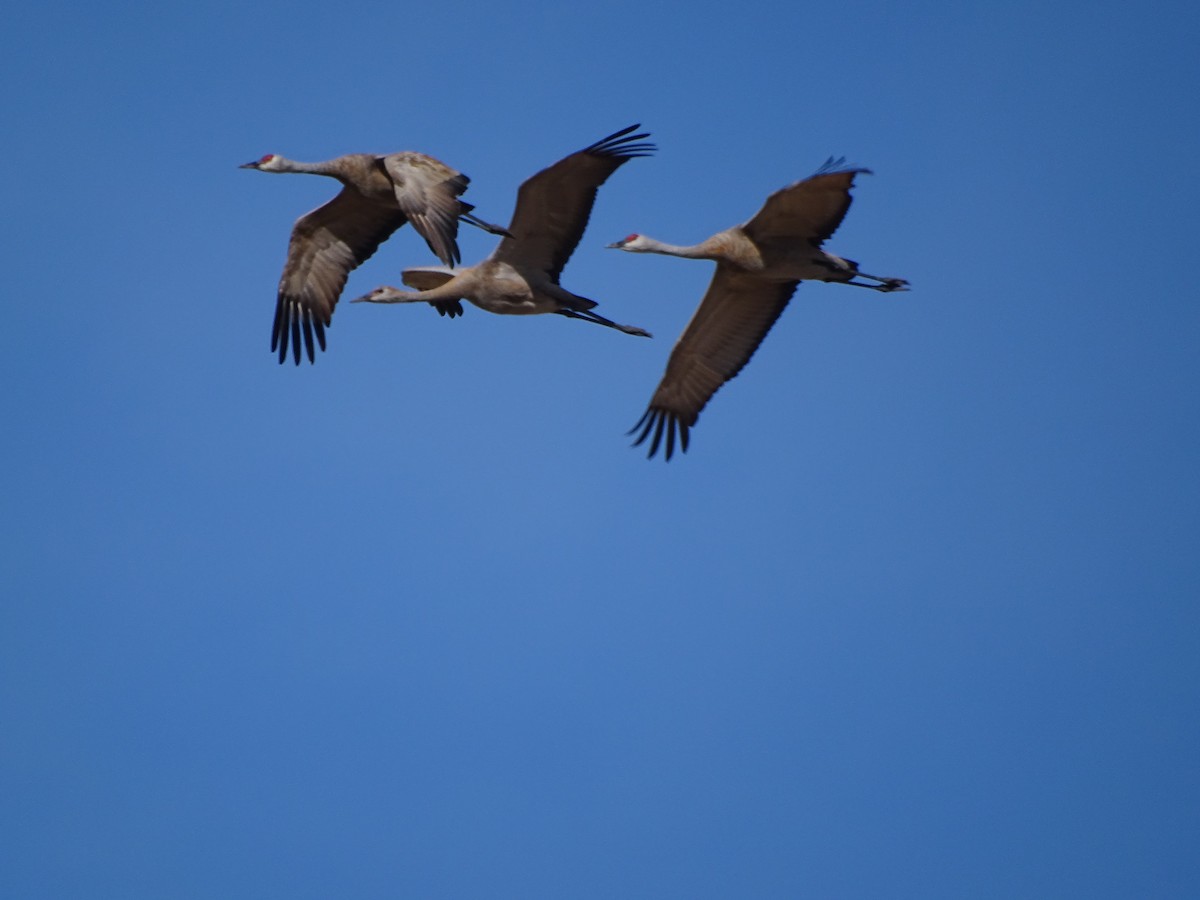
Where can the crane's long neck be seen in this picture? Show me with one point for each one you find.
(703, 250)
(305, 168)
(451, 290)
(447, 291)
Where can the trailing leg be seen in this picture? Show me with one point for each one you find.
(472, 219)
(600, 320)
(885, 284)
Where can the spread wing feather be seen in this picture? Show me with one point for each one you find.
(553, 206)
(326, 244)
(731, 322)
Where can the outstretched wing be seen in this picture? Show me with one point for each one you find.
(326, 244)
(732, 320)
(554, 205)
(810, 210)
(427, 192)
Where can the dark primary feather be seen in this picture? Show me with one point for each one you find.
(660, 420)
(553, 206)
(326, 244)
(811, 209)
(737, 312)
(834, 164)
(449, 308)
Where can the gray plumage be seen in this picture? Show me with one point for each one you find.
(379, 194)
(759, 265)
(521, 276)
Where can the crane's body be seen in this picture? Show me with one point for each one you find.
(494, 286)
(773, 260)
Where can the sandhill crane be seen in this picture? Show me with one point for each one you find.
(379, 194)
(521, 275)
(759, 265)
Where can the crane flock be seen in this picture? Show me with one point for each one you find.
(759, 263)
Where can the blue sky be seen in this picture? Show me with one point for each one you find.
(916, 616)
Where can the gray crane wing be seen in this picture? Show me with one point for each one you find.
(427, 192)
(553, 206)
(326, 244)
(732, 320)
(810, 210)
(426, 278)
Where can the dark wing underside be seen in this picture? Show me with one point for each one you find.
(553, 206)
(326, 245)
(811, 209)
(732, 320)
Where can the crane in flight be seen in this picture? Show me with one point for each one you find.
(379, 194)
(521, 276)
(759, 265)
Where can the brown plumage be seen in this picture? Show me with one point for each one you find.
(759, 265)
(521, 276)
(379, 194)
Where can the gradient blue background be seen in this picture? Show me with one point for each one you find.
(915, 617)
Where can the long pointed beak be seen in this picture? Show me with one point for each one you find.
(249, 165)
(617, 246)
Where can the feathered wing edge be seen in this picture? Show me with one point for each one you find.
(663, 421)
(809, 209)
(325, 246)
(623, 144)
(554, 205)
(727, 328)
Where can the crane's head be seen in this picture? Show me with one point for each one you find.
(634, 243)
(383, 294)
(269, 163)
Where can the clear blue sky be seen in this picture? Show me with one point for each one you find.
(915, 617)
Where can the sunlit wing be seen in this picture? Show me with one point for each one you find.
(426, 278)
(732, 320)
(326, 244)
(553, 207)
(427, 192)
